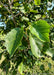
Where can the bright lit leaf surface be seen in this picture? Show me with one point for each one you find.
(13, 39)
(36, 46)
(41, 30)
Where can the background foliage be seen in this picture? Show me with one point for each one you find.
(21, 14)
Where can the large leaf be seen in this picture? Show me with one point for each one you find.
(40, 29)
(12, 40)
(36, 45)
(39, 48)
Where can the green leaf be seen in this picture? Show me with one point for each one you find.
(50, 52)
(46, 46)
(34, 11)
(13, 39)
(37, 2)
(36, 45)
(21, 0)
(21, 68)
(39, 48)
(42, 67)
(41, 30)
(25, 18)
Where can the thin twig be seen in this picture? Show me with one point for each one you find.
(5, 6)
(17, 14)
(10, 5)
(12, 1)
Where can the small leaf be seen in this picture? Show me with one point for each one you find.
(36, 45)
(37, 2)
(42, 67)
(25, 18)
(50, 52)
(41, 30)
(21, 1)
(34, 11)
(21, 68)
(49, 65)
(13, 39)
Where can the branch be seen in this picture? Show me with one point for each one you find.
(10, 11)
(10, 5)
(17, 14)
(11, 1)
